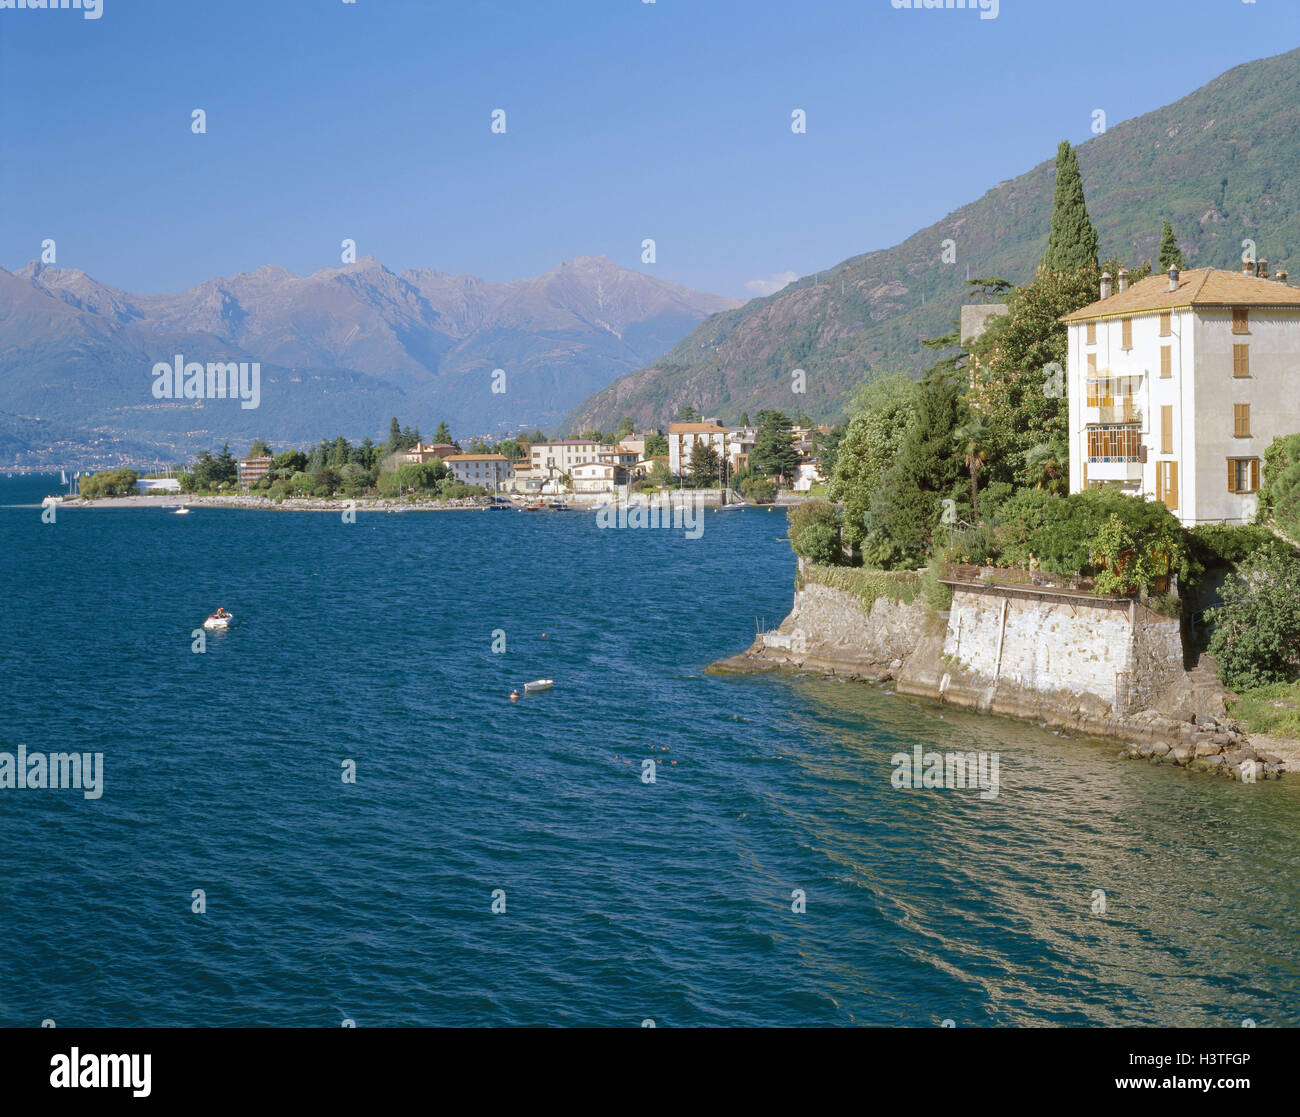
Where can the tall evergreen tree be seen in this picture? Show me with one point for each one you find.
(1171, 256)
(442, 434)
(1073, 240)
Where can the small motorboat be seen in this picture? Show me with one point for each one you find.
(532, 507)
(181, 511)
(559, 506)
(538, 684)
(218, 620)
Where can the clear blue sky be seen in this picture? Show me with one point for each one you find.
(625, 120)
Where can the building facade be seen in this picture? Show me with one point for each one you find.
(553, 458)
(488, 470)
(683, 438)
(252, 469)
(1179, 383)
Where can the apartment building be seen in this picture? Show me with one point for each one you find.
(488, 470)
(1177, 385)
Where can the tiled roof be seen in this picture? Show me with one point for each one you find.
(1199, 287)
(695, 428)
(478, 458)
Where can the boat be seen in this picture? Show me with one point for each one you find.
(558, 506)
(537, 684)
(532, 507)
(217, 622)
(181, 511)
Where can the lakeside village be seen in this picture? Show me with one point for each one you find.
(702, 461)
(1083, 514)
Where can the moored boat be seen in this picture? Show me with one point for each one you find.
(537, 684)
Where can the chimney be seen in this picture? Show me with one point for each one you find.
(1281, 277)
(1123, 280)
(1105, 285)
(1248, 267)
(1263, 269)
(1173, 277)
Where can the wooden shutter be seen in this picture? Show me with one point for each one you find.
(1166, 361)
(1232, 476)
(1092, 333)
(1241, 420)
(1092, 364)
(1165, 323)
(1160, 481)
(1254, 475)
(1241, 360)
(1240, 320)
(1126, 333)
(1171, 485)
(1167, 430)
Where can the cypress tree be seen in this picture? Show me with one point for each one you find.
(1073, 240)
(1171, 256)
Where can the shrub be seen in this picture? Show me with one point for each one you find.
(759, 490)
(1257, 629)
(815, 533)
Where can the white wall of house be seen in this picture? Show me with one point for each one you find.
(1200, 391)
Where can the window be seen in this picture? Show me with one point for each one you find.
(1167, 483)
(1092, 333)
(1114, 443)
(1166, 362)
(1166, 324)
(1241, 360)
(1092, 364)
(1241, 420)
(1126, 333)
(1243, 475)
(1167, 430)
(1240, 320)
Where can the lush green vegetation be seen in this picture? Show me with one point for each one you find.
(1256, 637)
(109, 482)
(1271, 709)
(866, 585)
(815, 533)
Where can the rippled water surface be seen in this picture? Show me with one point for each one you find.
(624, 900)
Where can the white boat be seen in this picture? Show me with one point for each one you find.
(181, 511)
(537, 684)
(215, 622)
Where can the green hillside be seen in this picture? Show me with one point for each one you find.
(1221, 164)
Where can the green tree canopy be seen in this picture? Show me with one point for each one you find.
(1072, 242)
(1171, 256)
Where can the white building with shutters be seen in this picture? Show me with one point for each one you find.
(1179, 383)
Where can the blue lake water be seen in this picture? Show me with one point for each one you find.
(624, 901)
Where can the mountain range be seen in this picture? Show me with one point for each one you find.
(1222, 164)
(341, 351)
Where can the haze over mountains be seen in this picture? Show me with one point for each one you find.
(341, 351)
(1222, 164)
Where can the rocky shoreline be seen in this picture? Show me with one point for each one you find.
(1186, 724)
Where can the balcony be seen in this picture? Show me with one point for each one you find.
(1114, 469)
(1114, 409)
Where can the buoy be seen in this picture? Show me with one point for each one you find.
(514, 696)
(543, 635)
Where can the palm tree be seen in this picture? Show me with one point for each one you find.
(973, 438)
(1048, 467)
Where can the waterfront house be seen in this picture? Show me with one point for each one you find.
(684, 437)
(597, 477)
(251, 469)
(158, 485)
(1177, 385)
(422, 452)
(554, 458)
(807, 474)
(488, 470)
